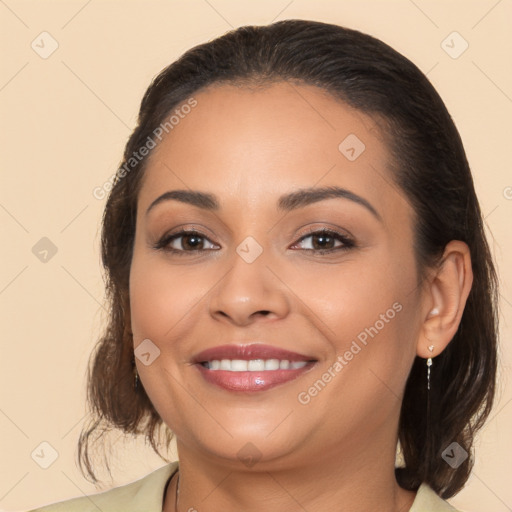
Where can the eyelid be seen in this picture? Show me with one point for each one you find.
(310, 230)
(346, 240)
(187, 229)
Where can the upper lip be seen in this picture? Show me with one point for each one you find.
(249, 351)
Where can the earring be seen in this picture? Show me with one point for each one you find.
(429, 364)
(434, 312)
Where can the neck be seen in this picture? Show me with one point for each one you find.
(356, 479)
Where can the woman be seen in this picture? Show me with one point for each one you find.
(299, 283)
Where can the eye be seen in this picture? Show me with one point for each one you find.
(324, 241)
(184, 241)
(320, 241)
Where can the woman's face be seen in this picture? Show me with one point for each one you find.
(256, 272)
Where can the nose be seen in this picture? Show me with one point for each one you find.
(249, 292)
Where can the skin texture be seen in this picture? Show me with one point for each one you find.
(249, 147)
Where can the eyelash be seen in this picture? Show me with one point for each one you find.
(348, 243)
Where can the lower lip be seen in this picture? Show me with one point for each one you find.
(251, 381)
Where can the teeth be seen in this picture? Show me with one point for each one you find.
(253, 365)
(225, 364)
(238, 365)
(272, 364)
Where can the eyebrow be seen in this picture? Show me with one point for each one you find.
(287, 202)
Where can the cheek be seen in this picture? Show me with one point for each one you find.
(349, 296)
(366, 310)
(160, 295)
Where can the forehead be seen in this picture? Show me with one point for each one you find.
(240, 142)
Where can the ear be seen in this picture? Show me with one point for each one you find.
(446, 297)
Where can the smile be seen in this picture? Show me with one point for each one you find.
(253, 365)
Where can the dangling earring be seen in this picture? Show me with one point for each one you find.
(136, 376)
(428, 416)
(429, 364)
(434, 312)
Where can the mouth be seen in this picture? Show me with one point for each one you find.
(254, 367)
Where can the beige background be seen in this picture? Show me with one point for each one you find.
(65, 119)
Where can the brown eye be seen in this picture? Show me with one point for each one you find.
(191, 242)
(326, 241)
(185, 241)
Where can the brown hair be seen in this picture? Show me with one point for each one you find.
(430, 167)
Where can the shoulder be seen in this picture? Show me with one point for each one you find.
(428, 501)
(145, 494)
